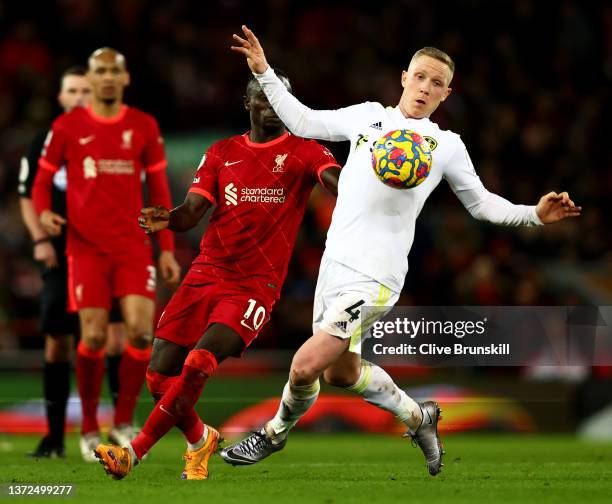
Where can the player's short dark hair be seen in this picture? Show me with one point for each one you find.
(103, 50)
(74, 70)
(254, 84)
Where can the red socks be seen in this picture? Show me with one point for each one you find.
(176, 406)
(191, 425)
(132, 370)
(90, 373)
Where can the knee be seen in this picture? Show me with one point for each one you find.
(341, 378)
(302, 374)
(139, 335)
(94, 338)
(158, 384)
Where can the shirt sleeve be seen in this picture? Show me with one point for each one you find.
(480, 203)
(159, 194)
(332, 125)
(318, 158)
(154, 152)
(205, 180)
(29, 166)
(52, 157)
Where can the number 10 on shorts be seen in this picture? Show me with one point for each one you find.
(253, 316)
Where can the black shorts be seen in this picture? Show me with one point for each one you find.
(54, 315)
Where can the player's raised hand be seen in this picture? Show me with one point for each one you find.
(154, 219)
(52, 223)
(169, 269)
(554, 207)
(252, 50)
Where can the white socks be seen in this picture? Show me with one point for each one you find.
(295, 402)
(377, 388)
(200, 443)
(374, 385)
(135, 460)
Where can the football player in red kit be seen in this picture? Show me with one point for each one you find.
(106, 148)
(260, 183)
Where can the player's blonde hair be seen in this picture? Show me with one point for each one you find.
(434, 52)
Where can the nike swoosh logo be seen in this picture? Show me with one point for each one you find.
(243, 323)
(228, 163)
(86, 140)
(428, 416)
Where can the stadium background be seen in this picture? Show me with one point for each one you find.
(531, 101)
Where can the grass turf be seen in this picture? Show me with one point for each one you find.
(337, 468)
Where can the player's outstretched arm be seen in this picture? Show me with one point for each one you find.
(487, 206)
(181, 218)
(554, 207)
(333, 125)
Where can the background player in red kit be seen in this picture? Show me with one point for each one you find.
(260, 182)
(58, 325)
(106, 148)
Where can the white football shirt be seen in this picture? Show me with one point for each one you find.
(372, 227)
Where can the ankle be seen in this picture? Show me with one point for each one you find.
(200, 442)
(414, 420)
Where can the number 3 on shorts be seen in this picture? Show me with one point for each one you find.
(256, 316)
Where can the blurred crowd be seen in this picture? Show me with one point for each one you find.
(531, 94)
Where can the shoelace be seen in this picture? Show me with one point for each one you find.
(413, 439)
(254, 443)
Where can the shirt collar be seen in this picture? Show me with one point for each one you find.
(397, 115)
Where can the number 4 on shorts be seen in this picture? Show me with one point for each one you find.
(353, 312)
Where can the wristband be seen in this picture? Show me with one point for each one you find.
(42, 240)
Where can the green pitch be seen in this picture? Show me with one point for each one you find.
(337, 468)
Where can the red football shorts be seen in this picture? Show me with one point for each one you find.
(200, 302)
(95, 279)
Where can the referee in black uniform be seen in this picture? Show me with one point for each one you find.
(56, 323)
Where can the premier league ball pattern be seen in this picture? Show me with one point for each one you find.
(401, 159)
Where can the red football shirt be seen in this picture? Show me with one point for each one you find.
(105, 160)
(261, 191)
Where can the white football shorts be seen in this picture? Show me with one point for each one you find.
(344, 297)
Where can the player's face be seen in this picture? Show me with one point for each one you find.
(75, 92)
(425, 86)
(108, 77)
(262, 113)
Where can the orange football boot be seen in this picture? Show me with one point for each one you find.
(116, 460)
(196, 461)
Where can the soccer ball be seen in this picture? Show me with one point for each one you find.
(401, 159)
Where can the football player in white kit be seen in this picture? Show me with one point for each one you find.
(372, 230)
